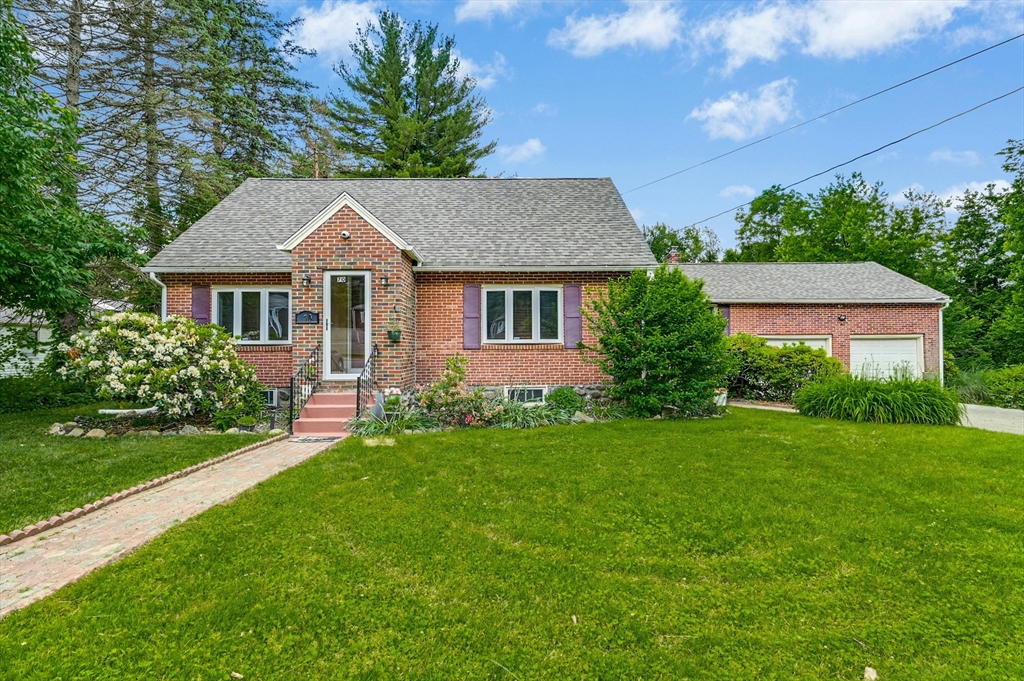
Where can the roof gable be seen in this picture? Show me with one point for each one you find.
(346, 201)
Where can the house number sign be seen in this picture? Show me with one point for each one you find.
(307, 317)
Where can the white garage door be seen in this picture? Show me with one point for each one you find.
(881, 357)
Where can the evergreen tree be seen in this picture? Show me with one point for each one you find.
(407, 111)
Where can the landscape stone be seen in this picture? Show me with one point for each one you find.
(149, 433)
(70, 425)
(97, 433)
(189, 429)
(76, 432)
(57, 429)
(276, 431)
(231, 431)
(169, 432)
(580, 417)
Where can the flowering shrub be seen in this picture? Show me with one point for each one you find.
(178, 366)
(450, 400)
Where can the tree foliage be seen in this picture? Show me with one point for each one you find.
(407, 111)
(47, 242)
(660, 340)
(693, 243)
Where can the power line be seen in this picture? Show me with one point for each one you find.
(827, 113)
(869, 153)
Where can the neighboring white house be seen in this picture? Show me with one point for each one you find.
(28, 357)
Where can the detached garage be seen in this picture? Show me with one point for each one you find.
(874, 320)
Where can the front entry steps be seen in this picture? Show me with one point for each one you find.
(326, 415)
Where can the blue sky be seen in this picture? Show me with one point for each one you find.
(638, 90)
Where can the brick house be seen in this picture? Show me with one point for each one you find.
(412, 271)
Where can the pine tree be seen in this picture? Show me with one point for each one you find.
(407, 111)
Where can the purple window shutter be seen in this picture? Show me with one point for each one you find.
(573, 326)
(471, 316)
(724, 311)
(201, 304)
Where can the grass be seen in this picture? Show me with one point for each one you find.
(43, 475)
(759, 545)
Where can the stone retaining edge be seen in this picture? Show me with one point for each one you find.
(58, 520)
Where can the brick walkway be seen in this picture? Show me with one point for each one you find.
(35, 567)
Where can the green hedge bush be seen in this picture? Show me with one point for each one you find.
(897, 400)
(758, 371)
(41, 391)
(1005, 387)
(565, 399)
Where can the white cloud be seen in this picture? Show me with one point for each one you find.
(486, 75)
(638, 214)
(956, 191)
(517, 153)
(738, 115)
(842, 29)
(330, 28)
(654, 25)
(485, 10)
(970, 158)
(734, 190)
(545, 109)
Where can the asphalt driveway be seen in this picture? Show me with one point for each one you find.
(995, 418)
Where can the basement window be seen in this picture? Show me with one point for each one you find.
(530, 394)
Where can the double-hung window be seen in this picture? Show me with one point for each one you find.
(522, 314)
(254, 315)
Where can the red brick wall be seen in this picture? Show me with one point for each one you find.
(439, 333)
(368, 250)
(273, 362)
(820, 320)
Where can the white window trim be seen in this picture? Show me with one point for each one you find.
(790, 338)
(536, 340)
(329, 281)
(542, 388)
(265, 292)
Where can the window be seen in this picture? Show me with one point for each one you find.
(254, 315)
(522, 315)
(530, 394)
(815, 342)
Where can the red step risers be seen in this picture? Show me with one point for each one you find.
(326, 414)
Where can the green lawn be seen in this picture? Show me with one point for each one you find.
(760, 545)
(43, 475)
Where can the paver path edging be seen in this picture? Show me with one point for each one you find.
(34, 568)
(58, 520)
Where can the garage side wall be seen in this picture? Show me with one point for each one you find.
(861, 319)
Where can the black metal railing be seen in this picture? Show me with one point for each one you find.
(367, 381)
(304, 383)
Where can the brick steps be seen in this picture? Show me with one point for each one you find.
(326, 414)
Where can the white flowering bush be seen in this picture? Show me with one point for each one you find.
(178, 366)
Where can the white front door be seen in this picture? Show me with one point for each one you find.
(882, 357)
(346, 323)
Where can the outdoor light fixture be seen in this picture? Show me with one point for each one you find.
(842, 318)
(307, 280)
(384, 280)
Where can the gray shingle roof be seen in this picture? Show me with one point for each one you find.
(825, 282)
(452, 224)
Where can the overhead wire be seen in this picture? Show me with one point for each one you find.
(828, 113)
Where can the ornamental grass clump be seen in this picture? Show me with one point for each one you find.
(180, 367)
(894, 400)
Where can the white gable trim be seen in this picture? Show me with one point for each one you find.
(341, 202)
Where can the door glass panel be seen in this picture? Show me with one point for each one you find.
(226, 310)
(251, 315)
(495, 315)
(348, 323)
(549, 315)
(277, 315)
(522, 315)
